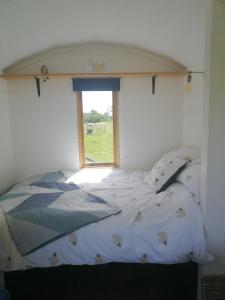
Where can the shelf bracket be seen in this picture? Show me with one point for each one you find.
(153, 84)
(38, 86)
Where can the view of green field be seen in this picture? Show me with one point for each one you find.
(98, 142)
(98, 126)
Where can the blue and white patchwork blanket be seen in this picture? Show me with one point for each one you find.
(48, 209)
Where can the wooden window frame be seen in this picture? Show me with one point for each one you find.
(115, 110)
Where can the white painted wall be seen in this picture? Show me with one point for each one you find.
(150, 125)
(6, 160)
(214, 142)
(45, 129)
(174, 28)
(192, 118)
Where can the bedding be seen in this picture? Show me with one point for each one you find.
(190, 177)
(188, 153)
(169, 166)
(49, 208)
(163, 228)
(164, 172)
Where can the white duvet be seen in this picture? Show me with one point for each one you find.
(165, 228)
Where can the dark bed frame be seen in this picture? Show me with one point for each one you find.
(107, 281)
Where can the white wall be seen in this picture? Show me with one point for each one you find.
(193, 112)
(6, 161)
(150, 125)
(45, 129)
(204, 123)
(174, 28)
(214, 142)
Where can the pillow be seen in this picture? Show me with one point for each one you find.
(194, 162)
(190, 177)
(188, 153)
(164, 172)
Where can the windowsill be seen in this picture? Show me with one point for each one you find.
(99, 166)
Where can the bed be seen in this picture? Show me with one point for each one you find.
(151, 221)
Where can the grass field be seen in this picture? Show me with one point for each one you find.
(99, 145)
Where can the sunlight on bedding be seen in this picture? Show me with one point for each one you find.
(89, 175)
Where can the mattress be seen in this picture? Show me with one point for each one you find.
(163, 228)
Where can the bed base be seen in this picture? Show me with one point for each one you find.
(108, 281)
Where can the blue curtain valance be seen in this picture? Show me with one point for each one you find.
(96, 84)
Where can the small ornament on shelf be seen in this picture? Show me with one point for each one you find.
(95, 66)
(44, 71)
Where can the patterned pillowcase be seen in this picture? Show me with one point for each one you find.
(190, 177)
(164, 172)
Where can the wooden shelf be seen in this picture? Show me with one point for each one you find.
(94, 75)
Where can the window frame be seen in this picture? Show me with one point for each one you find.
(115, 110)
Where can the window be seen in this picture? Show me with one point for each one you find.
(98, 128)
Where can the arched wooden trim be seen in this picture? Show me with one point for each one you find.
(162, 62)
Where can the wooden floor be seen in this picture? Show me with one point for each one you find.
(110, 281)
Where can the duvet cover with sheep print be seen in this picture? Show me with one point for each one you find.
(163, 228)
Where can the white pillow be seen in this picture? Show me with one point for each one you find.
(164, 172)
(188, 153)
(190, 177)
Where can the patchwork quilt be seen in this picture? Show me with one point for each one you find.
(49, 208)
